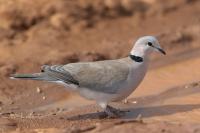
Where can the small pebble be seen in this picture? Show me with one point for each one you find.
(186, 86)
(43, 97)
(53, 113)
(32, 113)
(12, 102)
(125, 101)
(38, 90)
(12, 115)
(134, 102)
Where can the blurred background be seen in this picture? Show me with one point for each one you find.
(38, 32)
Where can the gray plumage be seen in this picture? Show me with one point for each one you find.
(97, 76)
(100, 76)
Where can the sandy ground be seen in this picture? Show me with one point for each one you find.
(34, 33)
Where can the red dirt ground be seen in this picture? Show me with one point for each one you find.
(34, 33)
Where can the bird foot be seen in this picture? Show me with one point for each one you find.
(114, 113)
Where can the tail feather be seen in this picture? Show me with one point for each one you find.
(34, 76)
(54, 73)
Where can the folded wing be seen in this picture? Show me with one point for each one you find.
(102, 76)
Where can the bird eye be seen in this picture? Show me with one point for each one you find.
(149, 43)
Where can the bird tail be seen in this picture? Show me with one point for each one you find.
(34, 76)
(49, 73)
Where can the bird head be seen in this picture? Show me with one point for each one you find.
(146, 45)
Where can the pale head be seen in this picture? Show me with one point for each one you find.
(146, 45)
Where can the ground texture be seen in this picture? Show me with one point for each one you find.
(38, 32)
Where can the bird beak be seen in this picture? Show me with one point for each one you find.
(161, 50)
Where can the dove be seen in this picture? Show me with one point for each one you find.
(102, 81)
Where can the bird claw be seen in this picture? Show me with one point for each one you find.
(114, 113)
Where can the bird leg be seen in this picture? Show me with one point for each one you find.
(110, 111)
(113, 112)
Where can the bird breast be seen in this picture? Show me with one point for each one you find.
(137, 73)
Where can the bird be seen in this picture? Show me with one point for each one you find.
(102, 81)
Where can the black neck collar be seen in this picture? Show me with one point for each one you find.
(136, 58)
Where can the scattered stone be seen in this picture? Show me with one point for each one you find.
(12, 115)
(134, 102)
(125, 101)
(43, 97)
(186, 86)
(12, 102)
(32, 113)
(53, 113)
(38, 90)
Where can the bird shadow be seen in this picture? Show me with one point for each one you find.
(146, 112)
(95, 115)
(151, 105)
(143, 112)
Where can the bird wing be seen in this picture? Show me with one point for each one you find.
(58, 73)
(102, 76)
